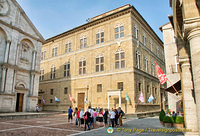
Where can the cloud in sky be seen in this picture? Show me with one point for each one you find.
(52, 17)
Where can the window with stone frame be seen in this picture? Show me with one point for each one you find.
(82, 67)
(83, 42)
(99, 87)
(41, 74)
(119, 31)
(144, 38)
(119, 59)
(146, 63)
(100, 37)
(68, 47)
(24, 51)
(138, 57)
(51, 100)
(139, 87)
(54, 51)
(148, 89)
(99, 63)
(157, 51)
(151, 44)
(53, 72)
(67, 69)
(136, 31)
(120, 86)
(51, 91)
(43, 55)
(65, 90)
(153, 68)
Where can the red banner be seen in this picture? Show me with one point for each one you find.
(161, 76)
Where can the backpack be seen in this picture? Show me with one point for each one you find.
(85, 117)
(122, 113)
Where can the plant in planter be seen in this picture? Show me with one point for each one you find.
(168, 121)
(179, 122)
(161, 116)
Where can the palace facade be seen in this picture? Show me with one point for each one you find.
(103, 63)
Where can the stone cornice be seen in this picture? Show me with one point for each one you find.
(191, 25)
(15, 67)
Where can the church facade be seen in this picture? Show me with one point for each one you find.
(106, 62)
(20, 49)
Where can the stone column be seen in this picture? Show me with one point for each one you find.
(7, 51)
(194, 42)
(3, 79)
(189, 105)
(17, 54)
(32, 84)
(33, 62)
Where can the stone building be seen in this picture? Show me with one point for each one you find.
(186, 25)
(103, 61)
(172, 68)
(20, 49)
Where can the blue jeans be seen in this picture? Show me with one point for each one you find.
(87, 124)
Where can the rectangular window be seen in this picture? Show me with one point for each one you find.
(83, 42)
(119, 32)
(157, 51)
(67, 70)
(119, 60)
(146, 64)
(51, 91)
(120, 86)
(151, 44)
(41, 75)
(100, 64)
(99, 87)
(140, 86)
(65, 90)
(68, 47)
(153, 69)
(138, 59)
(82, 67)
(54, 51)
(51, 100)
(148, 89)
(155, 91)
(144, 38)
(99, 37)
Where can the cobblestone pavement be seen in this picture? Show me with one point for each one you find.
(57, 125)
(136, 127)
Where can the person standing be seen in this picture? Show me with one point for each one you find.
(87, 119)
(78, 117)
(95, 117)
(121, 114)
(105, 117)
(70, 114)
(37, 108)
(81, 117)
(112, 117)
(100, 115)
(116, 117)
(75, 116)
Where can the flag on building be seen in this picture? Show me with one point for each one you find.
(56, 99)
(161, 76)
(71, 98)
(141, 98)
(43, 100)
(151, 98)
(127, 98)
(85, 100)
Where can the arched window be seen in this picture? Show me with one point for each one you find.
(53, 72)
(82, 66)
(153, 68)
(99, 63)
(136, 31)
(146, 63)
(67, 69)
(138, 59)
(119, 59)
(43, 55)
(42, 74)
(144, 38)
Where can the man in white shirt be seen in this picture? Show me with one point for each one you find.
(112, 117)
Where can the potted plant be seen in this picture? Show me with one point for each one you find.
(179, 122)
(161, 116)
(168, 121)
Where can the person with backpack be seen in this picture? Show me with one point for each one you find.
(105, 117)
(121, 114)
(87, 119)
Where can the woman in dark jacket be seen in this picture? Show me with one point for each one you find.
(116, 117)
(105, 116)
(87, 119)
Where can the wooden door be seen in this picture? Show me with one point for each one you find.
(19, 103)
(81, 97)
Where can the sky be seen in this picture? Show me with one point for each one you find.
(52, 17)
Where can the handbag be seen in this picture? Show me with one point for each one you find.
(85, 117)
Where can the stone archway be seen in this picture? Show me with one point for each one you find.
(116, 92)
